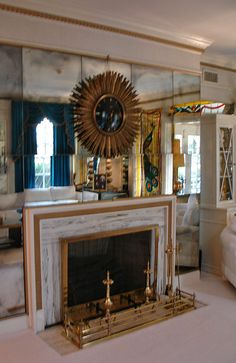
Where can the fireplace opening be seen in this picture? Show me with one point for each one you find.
(124, 256)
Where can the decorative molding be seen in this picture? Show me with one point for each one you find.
(211, 269)
(107, 28)
(73, 213)
(209, 221)
(223, 68)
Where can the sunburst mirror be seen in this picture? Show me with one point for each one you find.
(106, 114)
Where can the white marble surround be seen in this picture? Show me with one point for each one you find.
(53, 223)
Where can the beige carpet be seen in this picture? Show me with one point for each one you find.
(206, 335)
(55, 336)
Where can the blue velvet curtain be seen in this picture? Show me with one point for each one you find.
(60, 165)
(17, 143)
(25, 118)
(63, 146)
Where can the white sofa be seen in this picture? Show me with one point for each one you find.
(228, 244)
(10, 203)
(187, 233)
(52, 195)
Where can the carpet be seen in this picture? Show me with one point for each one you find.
(56, 338)
(204, 335)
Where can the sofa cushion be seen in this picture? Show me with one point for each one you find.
(180, 211)
(89, 196)
(79, 196)
(191, 215)
(63, 193)
(37, 195)
(233, 224)
(7, 201)
(20, 197)
(11, 216)
(182, 229)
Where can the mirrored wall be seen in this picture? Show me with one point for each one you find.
(38, 148)
(37, 84)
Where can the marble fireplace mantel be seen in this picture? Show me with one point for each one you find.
(44, 226)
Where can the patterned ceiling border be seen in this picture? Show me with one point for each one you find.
(92, 25)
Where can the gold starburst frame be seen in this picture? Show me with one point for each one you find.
(90, 94)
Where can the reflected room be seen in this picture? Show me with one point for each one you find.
(43, 161)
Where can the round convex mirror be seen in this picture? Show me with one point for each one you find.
(108, 114)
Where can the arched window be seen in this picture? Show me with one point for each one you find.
(44, 134)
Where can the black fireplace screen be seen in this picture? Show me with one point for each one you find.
(125, 256)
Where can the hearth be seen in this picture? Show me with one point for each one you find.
(109, 284)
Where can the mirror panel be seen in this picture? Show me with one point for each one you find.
(187, 153)
(92, 66)
(186, 88)
(49, 76)
(155, 88)
(11, 72)
(186, 129)
(12, 302)
(153, 85)
(10, 89)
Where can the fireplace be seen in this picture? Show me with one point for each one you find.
(48, 225)
(87, 259)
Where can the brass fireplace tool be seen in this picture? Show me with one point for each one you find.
(148, 290)
(169, 287)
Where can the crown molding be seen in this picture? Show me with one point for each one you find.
(189, 43)
(217, 66)
(219, 62)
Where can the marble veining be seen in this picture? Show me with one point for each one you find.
(51, 230)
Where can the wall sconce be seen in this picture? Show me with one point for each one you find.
(178, 161)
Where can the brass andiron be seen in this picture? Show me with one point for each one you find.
(108, 303)
(148, 290)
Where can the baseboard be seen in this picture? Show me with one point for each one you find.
(211, 269)
(13, 325)
(185, 278)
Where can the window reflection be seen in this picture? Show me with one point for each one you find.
(44, 133)
(189, 174)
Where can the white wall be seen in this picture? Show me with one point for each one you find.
(224, 90)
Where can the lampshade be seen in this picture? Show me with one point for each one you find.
(178, 160)
(176, 146)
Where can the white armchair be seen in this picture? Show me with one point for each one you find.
(228, 245)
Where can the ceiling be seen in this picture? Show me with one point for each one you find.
(207, 24)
